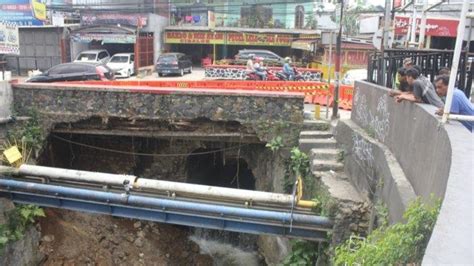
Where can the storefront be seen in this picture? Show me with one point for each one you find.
(226, 44)
(119, 33)
(440, 32)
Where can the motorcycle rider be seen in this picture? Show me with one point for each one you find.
(259, 69)
(250, 69)
(288, 69)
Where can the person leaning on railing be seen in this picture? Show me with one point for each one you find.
(460, 103)
(423, 89)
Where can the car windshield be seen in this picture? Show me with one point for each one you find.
(86, 57)
(167, 58)
(119, 59)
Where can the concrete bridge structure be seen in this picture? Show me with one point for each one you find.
(392, 152)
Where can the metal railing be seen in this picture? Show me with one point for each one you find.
(430, 61)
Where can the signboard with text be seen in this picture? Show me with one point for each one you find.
(441, 27)
(114, 19)
(197, 37)
(9, 41)
(259, 39)
(229, 38)
(23, 12)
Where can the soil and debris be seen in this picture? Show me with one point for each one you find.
(74, 238)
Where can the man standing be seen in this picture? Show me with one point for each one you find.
(423, 90)
(460, 104)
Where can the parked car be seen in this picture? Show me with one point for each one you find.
(93, 56)
(74, 72)
(354, 74)
(173, 63)
(268, 57)
(122, 64)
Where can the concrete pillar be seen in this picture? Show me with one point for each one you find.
(6, 99)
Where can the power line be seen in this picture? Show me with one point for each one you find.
(147, 154)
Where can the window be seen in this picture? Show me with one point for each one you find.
(299, 17)
(102, 55)
(256, 16)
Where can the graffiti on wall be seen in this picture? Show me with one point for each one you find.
(377, 122)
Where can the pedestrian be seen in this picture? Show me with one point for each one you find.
(423, 89)
(460, 103)
(402, 85)
(288, 69)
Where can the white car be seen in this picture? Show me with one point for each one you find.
(123, 65)
(93, 56)
(354, 74)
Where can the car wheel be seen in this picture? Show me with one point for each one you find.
(181, 73)
(160, 75)
(190, 70)
(129, 73)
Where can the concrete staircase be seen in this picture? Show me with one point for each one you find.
(318, 142)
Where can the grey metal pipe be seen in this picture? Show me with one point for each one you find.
(135, 200)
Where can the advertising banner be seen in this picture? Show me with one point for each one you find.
(243, 38)
(103, 37)
(197, 37)
(9, 41)
(442, 27)
(23, 12)
(114, 19)
(229, 38)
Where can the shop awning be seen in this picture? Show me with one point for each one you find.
(307, 45)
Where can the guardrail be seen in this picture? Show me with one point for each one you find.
(315, 92)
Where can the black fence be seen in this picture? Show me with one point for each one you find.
(430, 62)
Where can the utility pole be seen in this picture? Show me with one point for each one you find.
(421, 41)
(337, 72)
(387, 24)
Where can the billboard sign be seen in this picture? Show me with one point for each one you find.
(23, 12)
(9, 40)
(441, 27)
(123, 19)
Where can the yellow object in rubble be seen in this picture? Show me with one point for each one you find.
(13, 155)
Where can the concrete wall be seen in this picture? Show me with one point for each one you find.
(156, 24)
(40, 48)
(267, 114)
(435, 158)
(6, 98)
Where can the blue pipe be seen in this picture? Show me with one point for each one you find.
(115, 198)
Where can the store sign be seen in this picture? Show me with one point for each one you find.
(198, 37)
(114, 19)
(104, 38)
(434, 27)
(23, 12)
(9, 41)
(259, 39)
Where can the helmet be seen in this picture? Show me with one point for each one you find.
(258, 59)
(287, 59)
(251, 56)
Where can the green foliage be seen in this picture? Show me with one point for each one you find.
(30, 134)
(340, 156)
(298, 165)
(275, 144)
(400, 244)
(18, 221)
(302, 253)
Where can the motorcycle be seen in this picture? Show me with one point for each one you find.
(297, 77)
(270, 76)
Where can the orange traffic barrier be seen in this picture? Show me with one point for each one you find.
(315, 92)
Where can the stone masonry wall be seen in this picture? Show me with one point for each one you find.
(269, 114)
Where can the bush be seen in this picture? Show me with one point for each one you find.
(401, 243)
